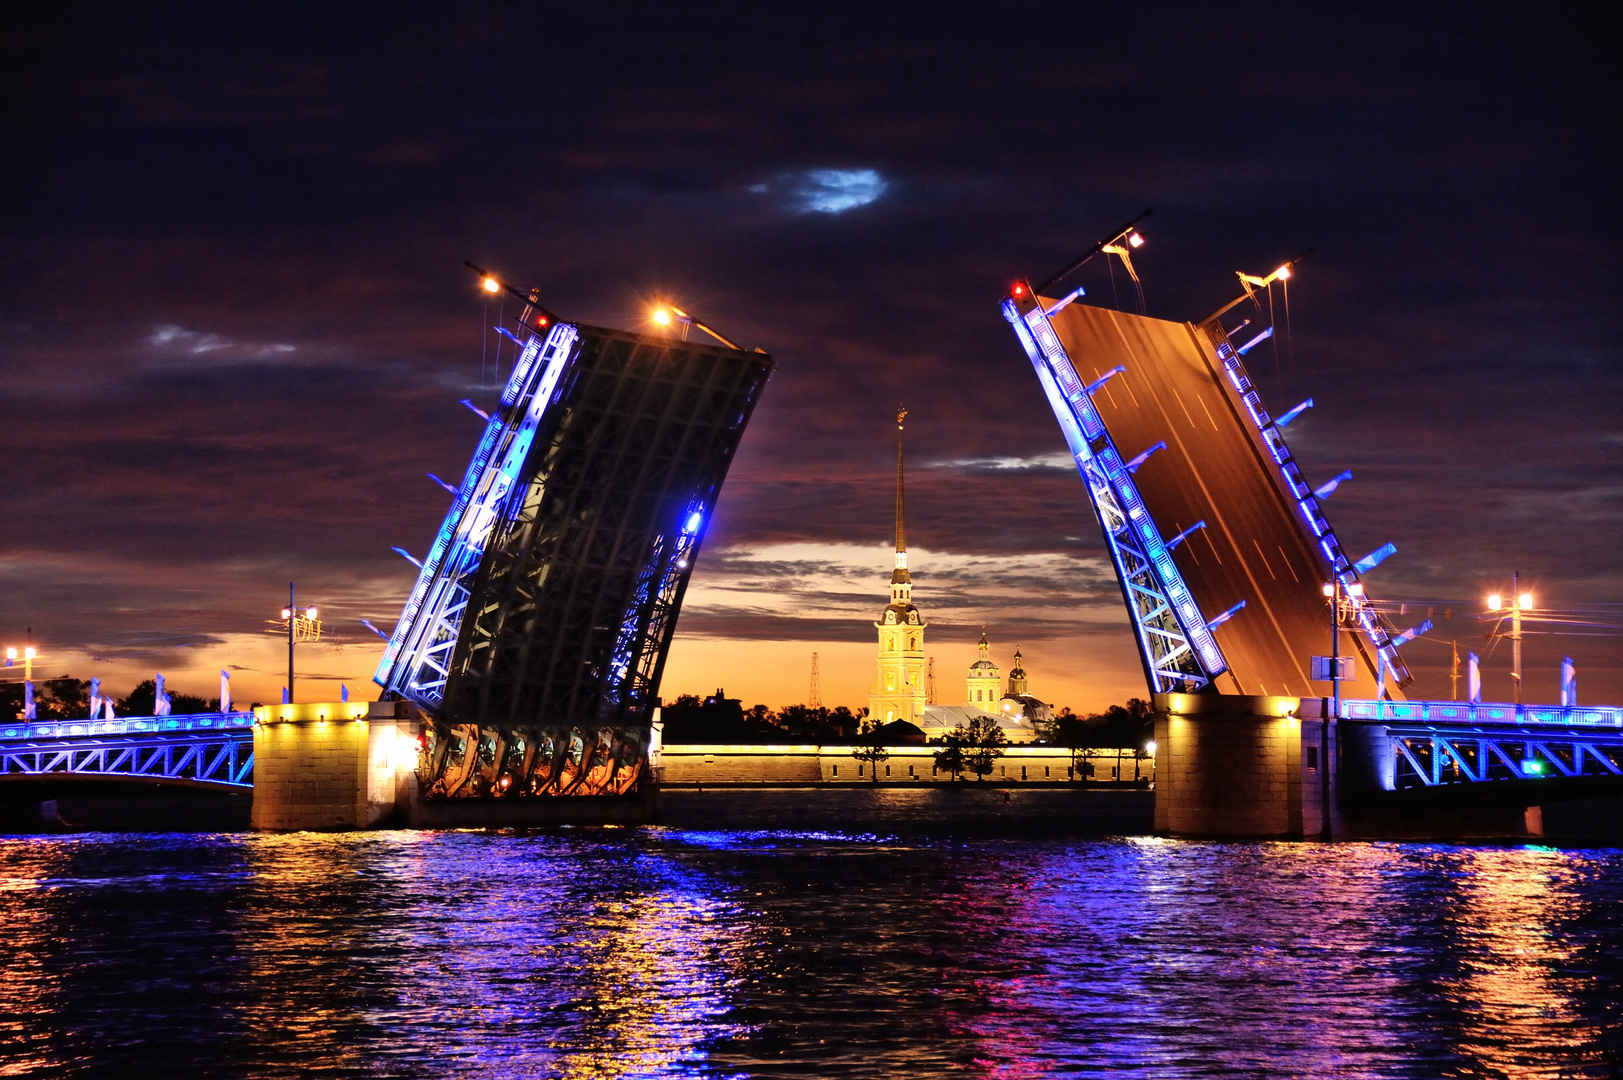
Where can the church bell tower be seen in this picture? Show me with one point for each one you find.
(898, 689)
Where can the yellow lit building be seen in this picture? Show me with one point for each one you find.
(984, 679)
(898, 689)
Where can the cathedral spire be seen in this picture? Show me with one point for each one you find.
(899, 575)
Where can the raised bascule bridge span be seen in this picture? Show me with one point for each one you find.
(1229, 568)
(520, 682)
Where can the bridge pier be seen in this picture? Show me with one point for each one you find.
(1260, 767)
(337, 766)
(333, 765)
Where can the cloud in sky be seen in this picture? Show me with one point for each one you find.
(834, 191)
(271, 223)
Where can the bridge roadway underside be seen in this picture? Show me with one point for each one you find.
(68, 803)
(1213, 469)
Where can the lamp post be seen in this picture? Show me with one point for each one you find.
(28, 655)
(292, 614)
(1340, 598)
(1519, 602)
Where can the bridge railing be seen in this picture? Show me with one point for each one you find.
(132, 725)
(208, 749)
(1463, 712)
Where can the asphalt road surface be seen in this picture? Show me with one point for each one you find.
(1215, 468)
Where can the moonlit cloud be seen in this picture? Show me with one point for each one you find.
(833, 191)
(179, 340)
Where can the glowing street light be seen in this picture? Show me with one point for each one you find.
(1135, 240)
(666, 314)
(1517, 602)
(490, 284)
(28, 655)
(299, 622)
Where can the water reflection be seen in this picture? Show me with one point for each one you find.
(659, 952)
(1520, 974)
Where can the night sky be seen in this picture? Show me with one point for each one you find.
(235, 324)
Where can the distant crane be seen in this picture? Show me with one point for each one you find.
(814, 699)
(929, 683)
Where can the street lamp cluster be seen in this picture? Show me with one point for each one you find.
(1519, 602)
(28, 654)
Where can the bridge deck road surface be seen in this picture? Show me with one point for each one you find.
(1254, 547)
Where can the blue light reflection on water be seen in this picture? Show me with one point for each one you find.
(665, 952)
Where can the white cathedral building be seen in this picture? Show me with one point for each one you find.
(899, 691)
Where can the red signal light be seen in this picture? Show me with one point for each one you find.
(1019, 290)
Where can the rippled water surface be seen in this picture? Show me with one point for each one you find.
(669, 952)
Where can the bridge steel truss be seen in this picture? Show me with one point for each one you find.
(1176, 645)
(1431, 755)
(1432, 743)
(210, 750)
(548, 600)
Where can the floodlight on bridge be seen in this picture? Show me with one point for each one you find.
(1375, 558)
(1292, 414)
(1326, 489)
(1186, 534)
(1132, 466)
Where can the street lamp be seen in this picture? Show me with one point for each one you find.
(1518, 602)
(28, 655)
(300, 624)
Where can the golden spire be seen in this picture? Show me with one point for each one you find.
(900, 573)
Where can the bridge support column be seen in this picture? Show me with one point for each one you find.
(1231, 766)
(1271, 767)
(333, 765)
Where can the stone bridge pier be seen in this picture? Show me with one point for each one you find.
(1282, 768)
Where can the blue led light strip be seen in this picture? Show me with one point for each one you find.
(1307, 503)
(1177, 647)
(1466, 712)
(417, 659)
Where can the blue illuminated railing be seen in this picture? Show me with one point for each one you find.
(1175, 641)
(134, 725)
(416, 662)
(211, 749)
(1307, 503)
(1462, 712)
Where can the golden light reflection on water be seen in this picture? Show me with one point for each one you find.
(26, 984)
(473, 958)
(1515, 983)
(620, 953)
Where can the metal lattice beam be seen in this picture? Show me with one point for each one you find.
(549, 598)
(1176, 647)
(219, 759)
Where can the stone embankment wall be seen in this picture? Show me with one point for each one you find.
(720, 764)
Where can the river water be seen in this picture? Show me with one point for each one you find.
(710, 952)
